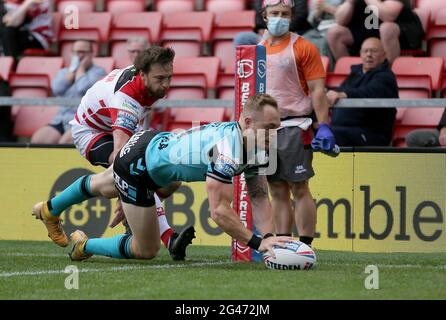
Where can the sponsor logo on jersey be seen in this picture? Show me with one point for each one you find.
(126, 120)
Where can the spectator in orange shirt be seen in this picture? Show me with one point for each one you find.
(294, 70)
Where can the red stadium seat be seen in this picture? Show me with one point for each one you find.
(184, 48)
(192, 27)
(438, 28)
(81, 5)
(185, 118)
(36, 72)
(419, 73)
(416, 118)
(228, 24)
(28, 119)
(200, 72)
(437, 48)
(170, 6)
(218, 6)
(120, 55)
(93, 26)
(225, 50)
(124, 6)
(144, 24)
(195, 26)
(341, 70)
(6, 64)
(108, 63)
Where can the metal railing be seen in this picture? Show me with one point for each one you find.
(218, 103)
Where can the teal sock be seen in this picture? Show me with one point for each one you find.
(116, 247)
(75, 193)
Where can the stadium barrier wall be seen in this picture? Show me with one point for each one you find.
(369, 200)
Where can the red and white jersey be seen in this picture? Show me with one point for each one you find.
(39, 20)
(119, 101)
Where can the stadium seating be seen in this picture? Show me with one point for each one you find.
(185, 118)
(93, 26)
(81, 5)
(228, 24)
(225, 51)
(108, 63)
(437, 29)
(171, 6)
(196, 74)
(419, 73)
(415, 118)
(124, 6)
(36, 72)
(184, 48)
(437, 48)
(144, 24)
(125, 25)
(192, 27)
(6, 65)
(219, 6)
(28, 119)
(341, 70)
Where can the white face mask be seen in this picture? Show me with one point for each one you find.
(278, 26)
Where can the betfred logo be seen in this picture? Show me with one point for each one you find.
(261, 68)
(245, 68)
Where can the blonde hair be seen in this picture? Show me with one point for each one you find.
(257, 102)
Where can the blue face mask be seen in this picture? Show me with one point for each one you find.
(278, 26)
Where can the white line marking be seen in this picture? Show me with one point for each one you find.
(122, 268)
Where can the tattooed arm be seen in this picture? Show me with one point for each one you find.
(261, 207)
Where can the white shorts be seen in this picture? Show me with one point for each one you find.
(84, 137)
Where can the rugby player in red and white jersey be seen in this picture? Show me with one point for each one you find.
(109, 114)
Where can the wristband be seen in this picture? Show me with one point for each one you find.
(269, 234)
(255, 242)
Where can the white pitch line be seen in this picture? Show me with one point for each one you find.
(122, 268)
(20, 254)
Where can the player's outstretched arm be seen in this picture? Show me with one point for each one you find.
(220, 197)
(261, 206)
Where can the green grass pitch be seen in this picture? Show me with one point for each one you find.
(35, 270)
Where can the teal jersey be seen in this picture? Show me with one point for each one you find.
(214, 150)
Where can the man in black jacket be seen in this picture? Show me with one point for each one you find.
(371, 79)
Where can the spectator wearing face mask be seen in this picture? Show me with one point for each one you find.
(298, 23)
(296, 79)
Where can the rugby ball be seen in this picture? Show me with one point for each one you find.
(295, 256)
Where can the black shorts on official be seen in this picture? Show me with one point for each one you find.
(129, 170)
(294, 155)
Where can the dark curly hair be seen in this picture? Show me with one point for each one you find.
(155, 54)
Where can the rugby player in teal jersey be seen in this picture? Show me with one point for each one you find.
(159, 161)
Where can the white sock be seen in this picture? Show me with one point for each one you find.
(162, 220)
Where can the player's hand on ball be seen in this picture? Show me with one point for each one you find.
(119, 215)
(268, 244)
